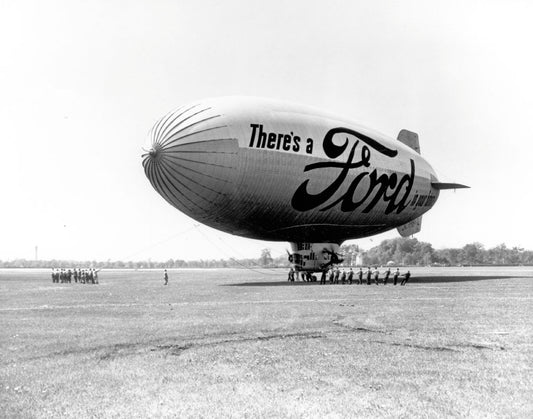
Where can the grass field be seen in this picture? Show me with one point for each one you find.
(453, 342)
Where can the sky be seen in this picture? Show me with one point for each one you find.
(81, 84)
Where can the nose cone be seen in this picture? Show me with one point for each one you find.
(191, 158)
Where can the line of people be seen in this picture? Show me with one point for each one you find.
(336, 276)
(83, 276)
(305, 276)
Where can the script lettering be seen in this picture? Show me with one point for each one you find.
(381, 187)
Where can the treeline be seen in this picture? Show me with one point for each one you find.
(399, 251)
(410, 252)
(118, 264)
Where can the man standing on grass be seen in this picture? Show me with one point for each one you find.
(166, 277)
(396, 275)
(376, 275)
(337, 274)
(323, 277)
(350, 276)
(387, 274)
(406, 278)
(290, 277)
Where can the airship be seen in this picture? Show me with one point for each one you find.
(277, 171)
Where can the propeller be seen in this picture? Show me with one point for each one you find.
(289, 254)
(335, 258)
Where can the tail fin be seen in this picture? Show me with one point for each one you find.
(410, 139)
(442, 185)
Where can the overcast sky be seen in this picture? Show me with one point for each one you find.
(82, 82)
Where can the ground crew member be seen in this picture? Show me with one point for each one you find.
(406, 278)
(368, 276)
(387, 274)
(376, 275)
(396, 275)
(343, 276)
(350, 276)
(166, 277)
(337, 273)
(291, 275)
(323, 277)
(360, 274)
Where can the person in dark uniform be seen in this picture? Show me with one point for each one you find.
(360, 276)
(291, 274)
(350, 276)
(407, 275)
(166, 277)
(368, 276)
(323, 277)
(396, 275)
(376, 275)
(343, 276)
(387, 274)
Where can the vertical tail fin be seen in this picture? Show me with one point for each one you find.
(410, 139)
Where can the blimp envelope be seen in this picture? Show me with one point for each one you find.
(278, 171)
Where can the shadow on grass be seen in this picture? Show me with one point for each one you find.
(412, 280)
(437, 279)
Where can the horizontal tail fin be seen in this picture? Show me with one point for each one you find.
(442, 185)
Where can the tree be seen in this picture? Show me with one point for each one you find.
(266, 258)
(473, 253)
(349, 253)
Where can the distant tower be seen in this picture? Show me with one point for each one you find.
(359, 259)
(36, 252)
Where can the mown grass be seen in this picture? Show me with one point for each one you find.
(247, 344)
